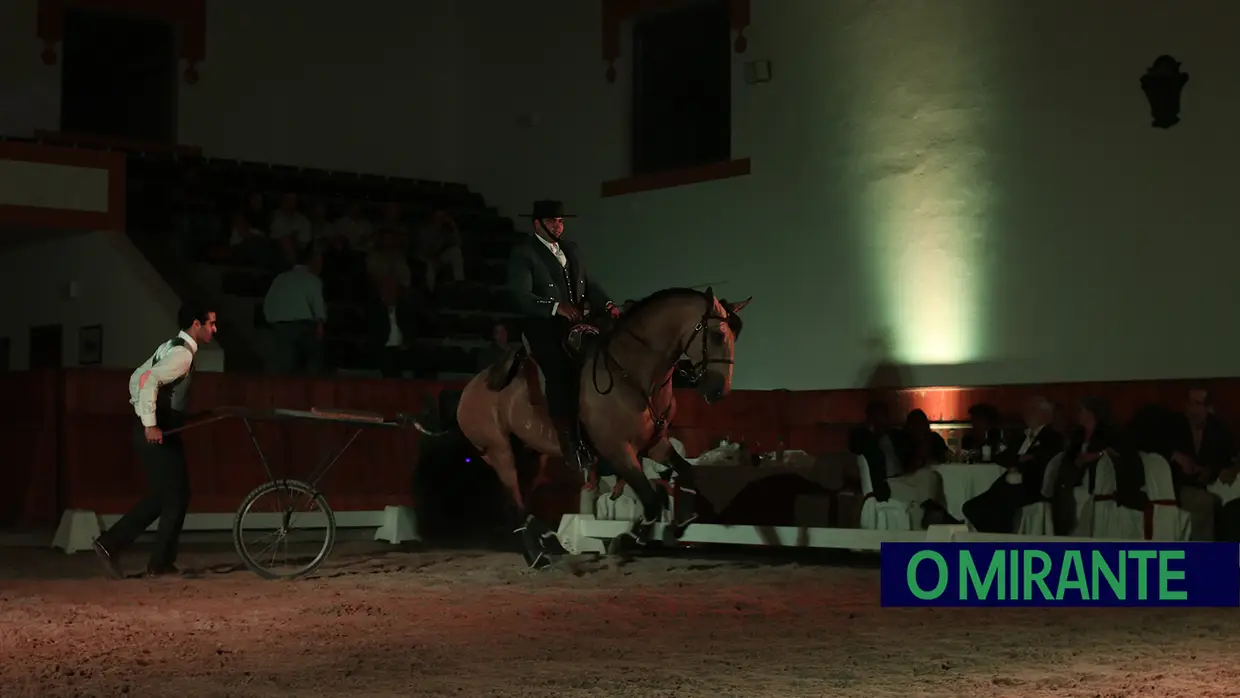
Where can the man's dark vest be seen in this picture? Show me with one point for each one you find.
(172, 396)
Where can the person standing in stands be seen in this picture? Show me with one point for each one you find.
(550, 284)
(295, 308)
(159, 392)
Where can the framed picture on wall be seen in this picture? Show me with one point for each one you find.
(90, 345)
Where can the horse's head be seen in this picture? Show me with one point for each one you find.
(711, 347)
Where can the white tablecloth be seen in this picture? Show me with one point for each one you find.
(964, 481)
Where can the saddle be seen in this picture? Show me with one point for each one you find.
(576, 343)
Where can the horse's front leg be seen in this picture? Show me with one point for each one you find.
(685, 489)
(625, 461)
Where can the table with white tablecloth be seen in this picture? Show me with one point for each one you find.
(964, 481)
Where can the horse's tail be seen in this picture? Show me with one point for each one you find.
(501, 373)
(439, 417)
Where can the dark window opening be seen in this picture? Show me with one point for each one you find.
(119, 77)
(682, 88)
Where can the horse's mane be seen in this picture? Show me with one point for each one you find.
(637, 310)
(639, 307)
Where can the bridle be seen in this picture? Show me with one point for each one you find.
(694, 374)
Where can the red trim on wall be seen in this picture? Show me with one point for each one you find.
(617, 12)
(189, 15)
(68, 219)
(677, 178)
(133, 145)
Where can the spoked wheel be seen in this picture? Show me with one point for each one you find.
(284, 529)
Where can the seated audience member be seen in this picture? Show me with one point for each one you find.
(248, 245)
(256, 213)
(322, 231)
(437, 245)
(918, 445)
(391, 222)
(390, 327)
(295, 308)
(1202, 449)
(386, 262)
(497, 349)
(1026, 457)
(876, 442)
(1091, 438)
(354, 229)
(985, 437)
(289, 228)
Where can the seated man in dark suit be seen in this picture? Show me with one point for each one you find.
(996, 509)
(389, 330)
(1202, 449)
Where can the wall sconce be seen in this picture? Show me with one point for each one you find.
(1162, 84)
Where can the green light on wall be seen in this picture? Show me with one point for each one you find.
(920, 106)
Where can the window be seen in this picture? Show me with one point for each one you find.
(682, 88)
(119, 77)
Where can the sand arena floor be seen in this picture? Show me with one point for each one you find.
(378, 622)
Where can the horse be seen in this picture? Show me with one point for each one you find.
(626, 400)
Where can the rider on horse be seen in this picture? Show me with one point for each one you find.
(548, 278)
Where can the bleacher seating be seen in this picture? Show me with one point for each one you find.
(448, 346)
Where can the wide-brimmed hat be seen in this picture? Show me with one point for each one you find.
(548, 208)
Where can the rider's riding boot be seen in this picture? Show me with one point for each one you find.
(570, 447)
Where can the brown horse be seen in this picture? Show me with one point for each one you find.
(625, 397)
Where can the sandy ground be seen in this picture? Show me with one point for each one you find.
(378, 622)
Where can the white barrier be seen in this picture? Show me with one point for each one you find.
(393, 524)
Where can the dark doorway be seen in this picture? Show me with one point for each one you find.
(682, 88)
(46, 347)
(119, 77)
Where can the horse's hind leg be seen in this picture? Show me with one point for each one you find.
(503, 461)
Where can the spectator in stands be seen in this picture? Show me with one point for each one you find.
(437, 245)
(290, 229)
(354, 229)
(392, 223)
(295, 308)
(322, 231)
(1089, 441)
(498, 348)
(985, 436)
(386, 262)
(1203, 448)
(159, 393)
(248, 245)
(1026, 457)
(390, 326)
(256, 213)
(197, 225)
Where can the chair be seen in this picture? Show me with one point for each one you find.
(891, 515)
(1038, 519)
(1163, 519)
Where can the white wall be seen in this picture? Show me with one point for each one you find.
(289, 82)
(115, 288)
(976, 181)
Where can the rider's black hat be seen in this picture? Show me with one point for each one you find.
(548, 208)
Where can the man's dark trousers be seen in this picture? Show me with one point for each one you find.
(546, 340)
(166, 498)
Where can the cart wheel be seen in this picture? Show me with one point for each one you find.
(284, 530)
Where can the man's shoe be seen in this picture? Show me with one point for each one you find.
(162, 570)
(110, 564)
